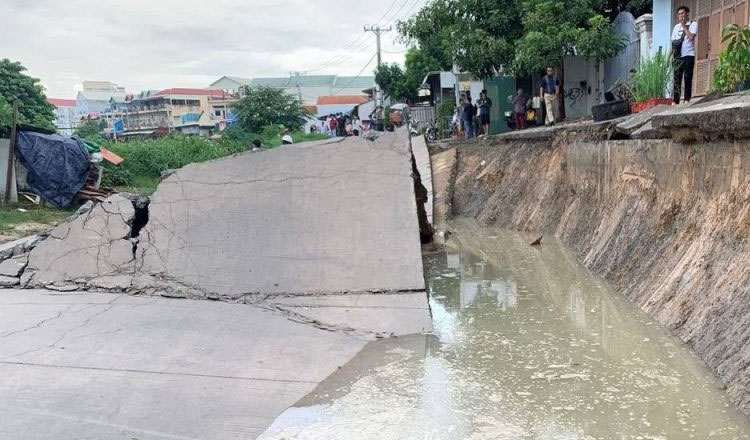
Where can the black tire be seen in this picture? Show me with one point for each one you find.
(431, 135)
(610, 110)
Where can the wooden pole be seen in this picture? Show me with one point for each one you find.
(11, 152)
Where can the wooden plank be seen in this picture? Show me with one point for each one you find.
(111, 157)
(11, 152)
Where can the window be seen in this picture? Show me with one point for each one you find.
(217, 112)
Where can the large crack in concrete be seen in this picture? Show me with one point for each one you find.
(341, 218)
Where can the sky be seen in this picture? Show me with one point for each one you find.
(158, 44)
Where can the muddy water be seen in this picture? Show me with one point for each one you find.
(527, 345)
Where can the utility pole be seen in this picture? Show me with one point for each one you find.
(378, 31)
(299, 90)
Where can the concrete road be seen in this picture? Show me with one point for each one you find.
(110, 366)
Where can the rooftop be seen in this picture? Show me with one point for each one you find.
(59, 102)
(197, 92)
(343, 99)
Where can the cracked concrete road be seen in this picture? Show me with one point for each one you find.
(93, 366)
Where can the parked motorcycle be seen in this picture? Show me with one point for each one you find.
(529, 118)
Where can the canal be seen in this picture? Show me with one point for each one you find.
(528, 344)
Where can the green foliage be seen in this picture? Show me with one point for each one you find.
(402, 85)
(390, 78)
(89, 130)
(444, 117)
(517, 36)
(145, 160)
(734, 61)
(6, 114)
(33, 107)
(652, 77)
(10, 216)
(479, 35)
(555, 28)
(263, 106)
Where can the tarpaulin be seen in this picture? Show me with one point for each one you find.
(57, 165)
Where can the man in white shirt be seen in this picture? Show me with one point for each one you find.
(683, 50)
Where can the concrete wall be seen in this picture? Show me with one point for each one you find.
(580, 97)
(666, 223)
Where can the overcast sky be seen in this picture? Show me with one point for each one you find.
(156, 44)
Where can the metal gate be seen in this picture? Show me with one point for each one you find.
(499, 89)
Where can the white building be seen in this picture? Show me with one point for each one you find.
(65, 115)
(308, 88)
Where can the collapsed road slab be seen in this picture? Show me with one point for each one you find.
(323, 218)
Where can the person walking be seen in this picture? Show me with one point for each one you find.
(548, 90)
(485, 104)
(468, 117)
(519, 108)
(683, 51)
(333, 126)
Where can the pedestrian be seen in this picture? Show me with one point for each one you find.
(549, 90)
(485, 104)
(333, 126)
(519, 108)
(468, 117)
(457, 122)
(256, 145)
(683, 51)
(340, 125)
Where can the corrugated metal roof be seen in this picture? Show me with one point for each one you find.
(197, 92)
(354, 82)
(269, 82)
(312, 80)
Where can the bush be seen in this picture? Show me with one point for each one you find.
(652, 78)
(734, 61)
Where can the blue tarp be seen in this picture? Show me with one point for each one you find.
(57, 166)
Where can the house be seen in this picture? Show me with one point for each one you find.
(332, 104)
(95, 97)
(65, 115)
(231, 84)
(190, 111)
(711, 16)
(308, 88)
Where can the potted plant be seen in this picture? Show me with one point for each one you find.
(650, 81)
(733, 72)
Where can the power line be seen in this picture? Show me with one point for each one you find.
(358, 75)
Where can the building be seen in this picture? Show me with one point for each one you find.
(65, 115)
(328, 105)
(308, 88)
(711, 16)
(95, 97)
(231, 84)
(190, 111)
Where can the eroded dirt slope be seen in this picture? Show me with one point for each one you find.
(667, 223)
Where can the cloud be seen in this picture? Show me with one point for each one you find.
(152, 44)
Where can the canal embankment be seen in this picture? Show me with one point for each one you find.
(666, 221)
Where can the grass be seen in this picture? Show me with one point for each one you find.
(18, 220)
(652, 77)
(145, 160)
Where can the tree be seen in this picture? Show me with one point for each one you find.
(390, 78)
(90, 129)
(556, 28)
(33, 107)
(478, 35)
(263, 106)
(6, 114)
(403, 84)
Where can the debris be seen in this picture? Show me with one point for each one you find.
(12, 267)
(22, 210)
(536, 242)
(111, 157)
(8, 281)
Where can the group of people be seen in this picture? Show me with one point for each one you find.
(340, 125)
(472, 119)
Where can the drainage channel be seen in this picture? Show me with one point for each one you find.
(527, 345)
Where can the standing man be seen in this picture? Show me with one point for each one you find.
(468, 117)
(485, 104)
(548, 91)
(683, 50)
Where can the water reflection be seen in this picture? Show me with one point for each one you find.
(527, 345)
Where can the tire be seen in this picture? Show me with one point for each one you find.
(610, 110)
(431, 135)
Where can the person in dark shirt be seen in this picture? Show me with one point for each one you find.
(484, 104)
(468, 117)
(549, 90)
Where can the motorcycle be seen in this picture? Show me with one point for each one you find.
(529, 118)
